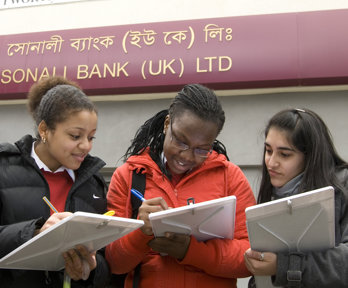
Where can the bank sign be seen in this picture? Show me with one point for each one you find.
(291, 49)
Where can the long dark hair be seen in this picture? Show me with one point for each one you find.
(196, 98)
(308, 133)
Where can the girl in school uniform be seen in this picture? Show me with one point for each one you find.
(56, 164)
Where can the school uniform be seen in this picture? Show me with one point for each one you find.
(22, 210)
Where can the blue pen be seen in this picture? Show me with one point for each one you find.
(137, 194)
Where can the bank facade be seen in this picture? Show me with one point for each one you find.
(258, 62)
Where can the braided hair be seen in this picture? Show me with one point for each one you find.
(195, 98)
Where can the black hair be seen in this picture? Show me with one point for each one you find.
(54, 99)
(195, 98)
(308, 133)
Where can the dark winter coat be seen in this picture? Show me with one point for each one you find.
(22, 210)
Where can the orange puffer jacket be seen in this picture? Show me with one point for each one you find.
(213, 263)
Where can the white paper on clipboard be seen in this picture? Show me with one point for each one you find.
(204, 220)
(303, 222)
(44, 251)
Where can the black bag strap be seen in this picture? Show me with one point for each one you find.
(136, 277)
(138, 183)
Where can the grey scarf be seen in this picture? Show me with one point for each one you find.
(289, 189)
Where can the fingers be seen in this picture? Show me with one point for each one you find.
(171, 235)
(61, 216)
(79, 262)
(248, 263)
(73, 264)
(175, 245)
(260, 263)
(88, 257)
(147, 207)
(53, 219)
(153, 205)
(255, 255)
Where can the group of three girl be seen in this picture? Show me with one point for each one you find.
(178, 151)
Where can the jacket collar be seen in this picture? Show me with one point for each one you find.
(91, 165)
(144, 161)
(43, 166)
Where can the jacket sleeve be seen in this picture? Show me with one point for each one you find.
(125, 253)
(100, 276)
(325, 268)
(225, 257)
(14, 235)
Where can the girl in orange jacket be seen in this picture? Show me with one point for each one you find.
(178, 151)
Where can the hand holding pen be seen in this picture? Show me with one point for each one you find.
(147, 207)
(78, 262)
(172, 244)
(54, 219)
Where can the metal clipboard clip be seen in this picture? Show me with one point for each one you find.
(289, 203)
(103, 224)
(191, 201)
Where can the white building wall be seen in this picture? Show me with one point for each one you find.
(96, 13)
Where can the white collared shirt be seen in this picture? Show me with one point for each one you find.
(44, 166)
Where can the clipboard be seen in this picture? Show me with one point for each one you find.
(205, 220)
(44, 251)
(300, 223)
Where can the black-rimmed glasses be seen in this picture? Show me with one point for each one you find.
(199, 152)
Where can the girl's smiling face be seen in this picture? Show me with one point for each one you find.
(190, 131)
(70, 142)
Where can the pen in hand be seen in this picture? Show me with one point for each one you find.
(67, 279)
(137, 194)
(50, 204)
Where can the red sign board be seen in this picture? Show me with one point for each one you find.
(290, 49)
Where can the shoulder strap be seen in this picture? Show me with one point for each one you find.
(138, 183)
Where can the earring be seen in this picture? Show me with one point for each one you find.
(165, 129)
(43, 140)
